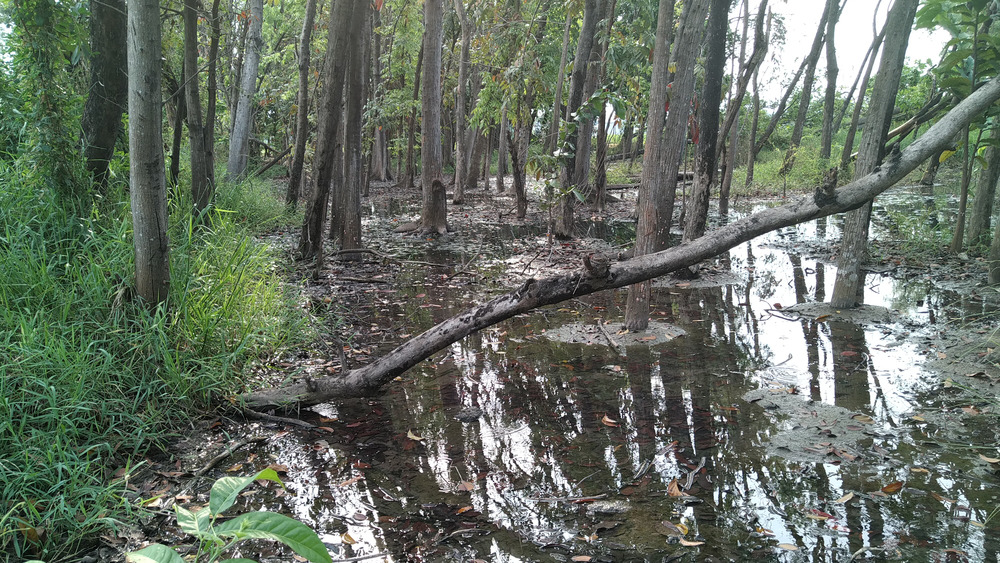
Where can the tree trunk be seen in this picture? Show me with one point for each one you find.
(329, 124)
(349, 200)
(147, 176)
(201, 177)
(706, 163)
(652, 227)
(434, 215)
(180, 113)
(754, 124)
(302, 111)
(845, 156)
(963, 199)
(562, 226)
(502, 150)
(239, 142)
(108, 94)
(406, 178)
(982, 205)
(601, 162)
(537, 293)
(847, 291)
(552, 141)
(806, 93)
(832, 70)
(461, 94)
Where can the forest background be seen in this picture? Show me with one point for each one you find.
(134, 292)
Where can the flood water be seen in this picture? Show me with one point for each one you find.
(513, 447)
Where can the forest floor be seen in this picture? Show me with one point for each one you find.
(487, 251)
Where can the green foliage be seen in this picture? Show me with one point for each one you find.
(90, 377)
(216, 538)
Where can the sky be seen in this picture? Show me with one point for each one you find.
(854, 36)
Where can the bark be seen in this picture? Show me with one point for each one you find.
(982, 204)
(706, 163)
(180, 113)
(562, 226)
(461, 95)
(845, 157)
(652, 227)
(302, 111)
(379, 168)
(239, 142)
(832, 70)
(147, 176)
(762, 32)
(433, 217)
(201, 175)
(537, 293)
(108, 95)
(349, 200)
(552, 141)
(329, 124)
(502, 150)
(848, 288)
(754, 124)
(963, 201)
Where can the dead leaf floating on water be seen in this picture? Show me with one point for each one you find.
(989, 459)
(609, 421)
(844, 498)
(893, 487)
(668, 528)
(674, 489)
(863, 418)
(415, 437)
(788, 547)
(689, 543)
(581, 558)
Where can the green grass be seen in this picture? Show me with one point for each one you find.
(90, 378)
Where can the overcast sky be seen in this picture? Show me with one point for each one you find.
(854, 36)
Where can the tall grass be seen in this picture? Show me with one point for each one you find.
(90, 378)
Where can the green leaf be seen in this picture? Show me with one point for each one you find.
(226, 489)
(277, 527)
(155, 553)
(197, 525)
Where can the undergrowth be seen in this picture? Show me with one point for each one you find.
(91, 380)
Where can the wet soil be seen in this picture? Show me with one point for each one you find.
(751, 421)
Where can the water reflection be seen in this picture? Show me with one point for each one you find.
(510, 446)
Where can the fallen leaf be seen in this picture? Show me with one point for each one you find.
(688, 543)
(941, 355)
(608, 421)
(351, 481)
(940, 498)
(581, 558)
(817, 514)
(668, 528)
(989, 459)
(467, 486)
(234, 468)
(412, 436)
(348, 539)
(463, 510)
(893, 487)
(863, 418)
(648, 338)
(822, 318)
(278, 468)
(919, 418)
(674, 489)
(970, 410)
(788, 547)
(844, 498)
(919, 470)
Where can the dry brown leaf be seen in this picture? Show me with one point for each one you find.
(581, 558)
(416, 437)
(863, 418)
(989, 459)
(609, 421)
(463, 510)
(348, 539)
(844, 498)
(674, 489)
(919, 418)
(970, 410)
(788, 547)
(467, 486)
(893, 487)
(919, 470)
(689, 543)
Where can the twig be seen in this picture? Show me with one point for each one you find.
(362, 557)
(257, 415)
(620, 350)
(215, 460)
(692, 473)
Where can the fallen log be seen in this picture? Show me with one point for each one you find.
(367, 380)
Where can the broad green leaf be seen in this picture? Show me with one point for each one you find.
(277, 527)
(226, 489)
(155, 553)
(196, 524)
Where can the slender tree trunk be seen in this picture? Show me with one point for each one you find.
(847, 291)
(146, 174)
(406, 178)
(239, 142)
(329, 124)
(706, 162)
(754, 124)
(845, 156)
(180, 113)
(434, 215)
(562, 226)
(201, 181)
(357, 76)
(982, 205)
(502, 151)
(461, 93)
(553, 139)
(380, 167)
(601, 158)
(108, 94)
(806, 93)
(536, 293)
(302, 111)
(832, 70)
(652, 228)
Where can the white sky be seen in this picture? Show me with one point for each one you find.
(854, 35)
